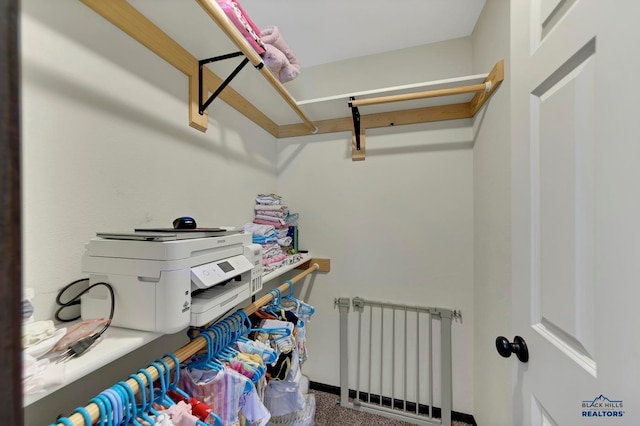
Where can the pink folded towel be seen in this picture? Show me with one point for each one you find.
(278, 57)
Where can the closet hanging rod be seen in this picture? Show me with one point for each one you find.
(473, 88)
(220, 18)
(197, 344)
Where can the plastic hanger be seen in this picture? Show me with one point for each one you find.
(129, 400)
(152, 397)
(118, 415)
(227, 353)
(116, 405)
(143, 398)
(245, 322)
(85, 415)
(222, 337)
(199, 361)
(123, 399)
(174, 386)
(160, 395)
(301, 307)
(101, 410)
(167, 380)
(274, 295)
(110, 408)
(210, 362)
(290, 288)
(239, 324)
(64, 420)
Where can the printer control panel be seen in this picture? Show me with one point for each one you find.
(210, 274)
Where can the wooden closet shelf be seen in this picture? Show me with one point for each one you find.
(159, 28)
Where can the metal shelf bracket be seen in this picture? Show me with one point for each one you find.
(202, 106)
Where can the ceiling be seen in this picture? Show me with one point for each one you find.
(320, 32)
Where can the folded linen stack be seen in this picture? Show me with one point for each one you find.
(274, 228)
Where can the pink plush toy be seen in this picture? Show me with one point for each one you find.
(278, 57)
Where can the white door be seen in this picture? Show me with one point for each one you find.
(575, 70)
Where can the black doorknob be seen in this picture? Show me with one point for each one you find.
(518, 347)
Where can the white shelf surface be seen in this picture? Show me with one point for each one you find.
(118, 342)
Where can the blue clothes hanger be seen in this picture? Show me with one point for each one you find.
(109, 409)
(236, 326)
(214, 348)
(214, 343)
(222, 336)
(131, 410)
(245, 322)
(167, 372)
(308, 309)
(142, 409)
(152, 397)
(199, 360)
(124, 411)
(159, 395)
(116, 405)
(209, 362)
(174, 386)
(226, 352)
(278, 297)
(64, 420)
(101, 410)
(85, 415)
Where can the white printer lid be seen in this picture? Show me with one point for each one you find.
(162, 247)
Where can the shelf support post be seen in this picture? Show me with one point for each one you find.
(202, 107)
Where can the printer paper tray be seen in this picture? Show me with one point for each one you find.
(214, 302)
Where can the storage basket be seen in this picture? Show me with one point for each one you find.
(303, 417)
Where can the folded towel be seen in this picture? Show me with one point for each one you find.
(268, 199)
(275, 207)
(266, 222)
(259, 230)
(270, 219)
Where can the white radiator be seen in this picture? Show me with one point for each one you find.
(395, 360)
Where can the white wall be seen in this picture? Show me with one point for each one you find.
(404, 66)
(106, 146)
(398, 226)
(492, 224)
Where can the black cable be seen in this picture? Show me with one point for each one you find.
(76, 349)
(76, 301)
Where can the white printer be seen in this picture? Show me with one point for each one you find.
(164, 282)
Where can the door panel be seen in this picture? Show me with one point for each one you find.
(575, 211)
(562, 179)
(540, 416)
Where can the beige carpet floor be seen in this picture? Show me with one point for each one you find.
(329, 413)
